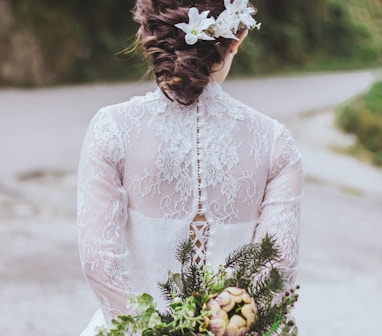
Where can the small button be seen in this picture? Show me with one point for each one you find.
(202, 211)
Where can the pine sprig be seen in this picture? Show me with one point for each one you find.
(169, 289)
(240, 255)
(191, 275)
(185, 252)
(192, 279)
(269, 248)
(252, 259)
(268, 285)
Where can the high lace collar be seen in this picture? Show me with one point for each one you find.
(213, 89)
(211, 92)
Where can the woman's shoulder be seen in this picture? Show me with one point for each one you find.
(257, 121)
(249, 113)
(132, 105)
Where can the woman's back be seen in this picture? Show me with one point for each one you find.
(165, 164)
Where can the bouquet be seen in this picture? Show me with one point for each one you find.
(246, 296)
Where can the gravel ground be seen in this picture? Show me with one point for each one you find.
(42, 290)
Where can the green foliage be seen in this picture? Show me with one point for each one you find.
(367, 14)
(373, 100)
(363, 117)
(81, 40)
(147, 317)
(313, 34)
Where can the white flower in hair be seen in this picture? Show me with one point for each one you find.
(223, 26)
(237, 15)
(241, 14)
(196, 27)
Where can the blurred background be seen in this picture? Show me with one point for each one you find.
(44, 43)
(315, 65)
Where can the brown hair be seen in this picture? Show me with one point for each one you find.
(182, 71)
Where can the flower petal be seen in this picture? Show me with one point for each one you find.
(213, 306)
(246, 297)
(217, 327)
(191, 39)
(238, 321)
(206, 23)
(231, 330)
(193, 15)
(242, 331)
(234, 290)
(183, 26)
(249, 314)
(221, 315)
(223, 298)
(204, 36)
(228, 307)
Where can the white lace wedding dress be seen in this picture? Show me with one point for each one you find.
(149, 166)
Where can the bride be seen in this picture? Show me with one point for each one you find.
(186, 160)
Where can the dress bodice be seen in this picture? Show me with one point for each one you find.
(149, 166)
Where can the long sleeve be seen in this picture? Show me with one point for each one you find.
(280, 208)
(102, 215)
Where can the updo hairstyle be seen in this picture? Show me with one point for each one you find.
(182, 71)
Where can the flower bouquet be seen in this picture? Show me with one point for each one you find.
(246, 296)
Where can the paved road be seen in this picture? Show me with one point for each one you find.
(43, 292)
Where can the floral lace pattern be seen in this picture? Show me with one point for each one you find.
(149, 166)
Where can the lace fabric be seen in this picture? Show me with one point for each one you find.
(149, 166)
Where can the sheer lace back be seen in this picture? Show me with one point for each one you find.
(199, 228)
(153, 173)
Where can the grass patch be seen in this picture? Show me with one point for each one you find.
(363, 117)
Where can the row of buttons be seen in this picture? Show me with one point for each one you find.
(202, 187)
(199, 146)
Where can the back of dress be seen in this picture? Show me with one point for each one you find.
(149, 167)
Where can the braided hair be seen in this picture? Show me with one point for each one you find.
(182, 71)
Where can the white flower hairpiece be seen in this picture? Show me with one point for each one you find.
(237, 15)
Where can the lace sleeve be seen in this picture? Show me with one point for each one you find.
(280, 209)
(102, 215)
